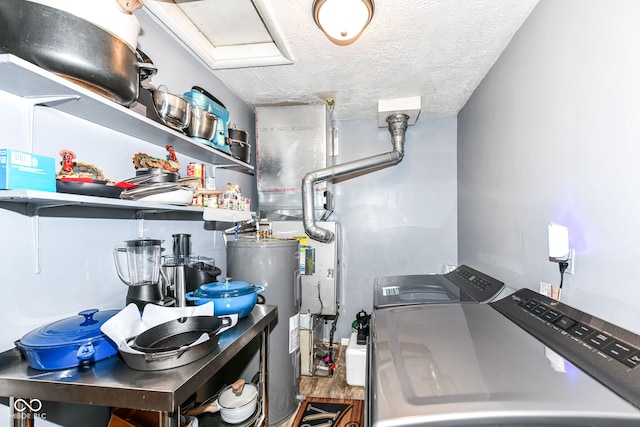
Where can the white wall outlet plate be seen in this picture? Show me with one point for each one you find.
(572, 262)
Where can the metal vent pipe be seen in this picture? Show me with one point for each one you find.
(397, 127)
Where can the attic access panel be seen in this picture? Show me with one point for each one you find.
(223, 33)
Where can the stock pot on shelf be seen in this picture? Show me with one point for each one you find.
(115, 16)
(236, 403)
(239, 144)
(73, 48)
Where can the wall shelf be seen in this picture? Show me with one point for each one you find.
(24, 79)
(40, 87)
(39, 200)
(44, 199)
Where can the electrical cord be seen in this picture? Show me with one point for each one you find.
(320, 299)
(563, 267)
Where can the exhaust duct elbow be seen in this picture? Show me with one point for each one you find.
(308, 220)
(397, 127)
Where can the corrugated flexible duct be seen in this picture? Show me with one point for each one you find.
(397, 127)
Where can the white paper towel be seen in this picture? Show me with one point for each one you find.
(129, 322)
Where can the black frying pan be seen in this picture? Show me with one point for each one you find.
(179, 333)
(168, 346)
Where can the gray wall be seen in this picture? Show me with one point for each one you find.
(397, 220)
(551, 135)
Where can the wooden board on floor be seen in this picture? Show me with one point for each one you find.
(335, 386)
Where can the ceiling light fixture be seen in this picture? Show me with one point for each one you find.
(342, 21)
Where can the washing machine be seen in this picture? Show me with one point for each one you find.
(464, 284)
(521, 360)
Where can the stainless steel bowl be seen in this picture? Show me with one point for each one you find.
(172, 109)
(203, 124)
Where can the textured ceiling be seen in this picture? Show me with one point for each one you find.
(439, 50)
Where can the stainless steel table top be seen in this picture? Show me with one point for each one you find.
(112, 383)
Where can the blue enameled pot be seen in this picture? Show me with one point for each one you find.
(70, 342)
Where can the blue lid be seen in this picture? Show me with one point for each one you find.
(85, 326)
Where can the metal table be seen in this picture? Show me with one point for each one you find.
(112, 383)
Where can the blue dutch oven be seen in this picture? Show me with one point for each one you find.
(233, 297)
(67, 343)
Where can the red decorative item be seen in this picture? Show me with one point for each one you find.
(172, 153)
(67, 160)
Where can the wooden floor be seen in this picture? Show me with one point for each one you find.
(335, 386)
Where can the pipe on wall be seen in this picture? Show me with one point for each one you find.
(397, 124)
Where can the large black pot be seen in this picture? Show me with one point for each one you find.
(240, 147)
(73, 48)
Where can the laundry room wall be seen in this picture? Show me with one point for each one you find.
(551, 135)
(398, 220)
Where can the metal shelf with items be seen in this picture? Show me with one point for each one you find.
(37, 200)
(40, 87)
(45, 199)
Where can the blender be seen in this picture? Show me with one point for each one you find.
(141, 271)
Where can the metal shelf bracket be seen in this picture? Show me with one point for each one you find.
(32, 102)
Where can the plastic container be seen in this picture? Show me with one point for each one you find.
(356, 361)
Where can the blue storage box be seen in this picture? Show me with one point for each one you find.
(26, 171)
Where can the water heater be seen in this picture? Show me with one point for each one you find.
(273, 263)
(319, 267)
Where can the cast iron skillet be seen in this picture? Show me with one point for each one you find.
(168, 346)
(177, 334)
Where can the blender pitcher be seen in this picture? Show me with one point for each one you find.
(142, 265)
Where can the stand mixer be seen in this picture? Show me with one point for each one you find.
(203, 99)
(141, 272)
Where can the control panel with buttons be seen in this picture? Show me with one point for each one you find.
(478, 285)
(606, 352)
